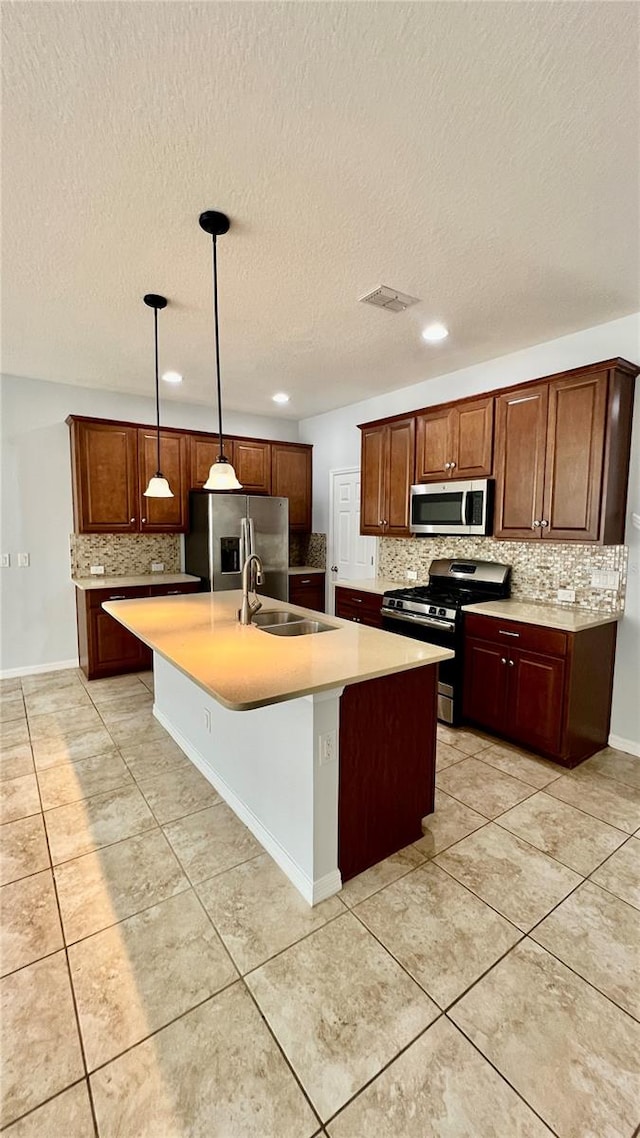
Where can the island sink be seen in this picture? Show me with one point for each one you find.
(298, 628)
(275, 616)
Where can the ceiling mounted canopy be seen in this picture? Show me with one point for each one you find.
(222, 476)
(158, 486)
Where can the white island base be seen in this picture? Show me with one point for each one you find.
(276, 767)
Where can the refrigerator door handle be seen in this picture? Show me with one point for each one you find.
(252, 537)
(243, 543)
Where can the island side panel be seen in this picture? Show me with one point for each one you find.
(387, 766)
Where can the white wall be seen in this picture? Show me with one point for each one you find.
(37, 605)
(336, 442)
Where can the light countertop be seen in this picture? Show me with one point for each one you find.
(546, 616)
(243, 667)
(374, 585)
(98, 582)
(301, 570)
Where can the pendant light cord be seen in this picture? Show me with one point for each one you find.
(155, 331)
(217, 341)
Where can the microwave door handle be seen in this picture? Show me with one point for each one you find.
(464, 519)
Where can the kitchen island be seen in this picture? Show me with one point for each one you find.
(324, 745)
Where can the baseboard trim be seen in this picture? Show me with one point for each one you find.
(36, 669)
(312, 891)
(627, 745)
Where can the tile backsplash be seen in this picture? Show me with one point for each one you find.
(539, 568)
(308, 549)
(123, 554)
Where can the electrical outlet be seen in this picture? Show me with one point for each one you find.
(157, 566)
(5, 560)
(96, 570)
(328, 747)
(566, 594)
(23, 561)
(412, 575)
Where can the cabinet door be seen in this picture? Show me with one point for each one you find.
(485, 684)
(308, 592)
(472, 426)
(291, 478)
(575, 454)
(105, 478)
(521, 428)
(434, 445)
(398, 476)
(536, 700)
(164, 515)
(374, 453)
(204, 452)
(114, 649)
(252, 462)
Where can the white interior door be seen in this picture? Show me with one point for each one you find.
(351, 556)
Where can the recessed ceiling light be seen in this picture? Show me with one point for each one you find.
(435, 332)
(172, 377)
(280, 397)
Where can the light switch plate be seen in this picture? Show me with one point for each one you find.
(96, 570)
(412, 575)
(5, 560)
(23, 561)
(157, 566)
(605, 579)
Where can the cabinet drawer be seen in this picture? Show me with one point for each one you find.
(97, 597)
(174, 590)
(510, 633)
(307, 590)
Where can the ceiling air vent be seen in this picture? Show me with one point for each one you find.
(389, 298)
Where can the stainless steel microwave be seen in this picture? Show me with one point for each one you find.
(452, 507)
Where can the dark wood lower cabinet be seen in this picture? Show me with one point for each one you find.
(358, 606)
(547, 690)
(307, 590)
(387, 766)
(105, 648)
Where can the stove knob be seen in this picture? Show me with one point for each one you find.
(432, 610)
(399, 604)
(442, 612)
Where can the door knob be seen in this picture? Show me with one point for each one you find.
(334, 568)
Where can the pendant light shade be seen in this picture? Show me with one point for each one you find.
(222, 476)
(158, 486)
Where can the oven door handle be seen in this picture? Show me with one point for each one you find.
(424, 621)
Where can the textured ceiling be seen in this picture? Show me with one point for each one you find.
(482, 156)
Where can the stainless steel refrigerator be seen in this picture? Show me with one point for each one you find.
(225, 528)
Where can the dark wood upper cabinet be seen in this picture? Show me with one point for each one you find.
(574, 457)
(372, 482)
(252, 462)
(521, 428)
(164, 515)
(455, 441)
(204, 452)
(387, 469)
(291, 478)
(105, 477)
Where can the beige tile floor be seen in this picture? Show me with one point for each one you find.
(162, 979)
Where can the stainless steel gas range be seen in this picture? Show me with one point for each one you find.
(433, 613)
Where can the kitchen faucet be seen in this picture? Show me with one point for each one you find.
(250, 608)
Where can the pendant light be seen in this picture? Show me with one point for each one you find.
(158, 486)
(222, 476)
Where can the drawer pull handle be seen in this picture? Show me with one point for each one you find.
(501, 632)
(306, 581)
(118, 597)
(173, 592)
(357, 600)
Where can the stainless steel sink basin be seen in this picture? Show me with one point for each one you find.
(275, 617)
(298, 628)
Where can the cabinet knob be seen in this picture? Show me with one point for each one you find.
(132, 520)
(543, 524)
(143, 520)
(511, 663)
(447, 465)
(452, 465)
(536, 525)
(503, 659)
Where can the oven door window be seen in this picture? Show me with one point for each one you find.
(437, 509)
